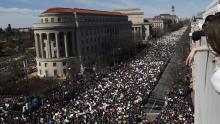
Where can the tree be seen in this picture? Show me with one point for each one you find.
(8, 29)
(1, 53)
(1, 30)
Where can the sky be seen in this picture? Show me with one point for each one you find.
(24, 13)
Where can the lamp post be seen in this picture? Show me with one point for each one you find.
(114, 56)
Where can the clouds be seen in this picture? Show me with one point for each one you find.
(110, 4)
(19, 10)
(14, 9)
(18, 17)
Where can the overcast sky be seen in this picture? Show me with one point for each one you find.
(23, 13)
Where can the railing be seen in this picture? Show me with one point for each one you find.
(207, 100)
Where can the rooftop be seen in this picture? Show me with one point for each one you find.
(128, 9)
(82, 11)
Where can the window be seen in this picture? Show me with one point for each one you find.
(92, 49)
(82, 34)
(46, 73)
(83, 51)
(64, 63)
(64, 71)
(82, 42)
(52, 19)
(45, 64)
(40, 72)
(44, 53)
(54, 44)
(46, 20)
(44, 44)
(39, 64)
(55, 72)
(59, 19)
(54, 64)
(87, 49)
(55, 54)
(42, 21)
(94, 32)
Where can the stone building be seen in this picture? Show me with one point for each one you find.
(158, 26)
(67, 38)
(168, 17)
(136, 16)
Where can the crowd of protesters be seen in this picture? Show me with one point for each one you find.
(115, 95)
(178, 106)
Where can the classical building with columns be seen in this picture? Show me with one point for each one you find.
(66, 38)
(140, 30)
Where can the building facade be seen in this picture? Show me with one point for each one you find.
(147, 31)
(158, 26)
(136, 16)
(168, 17)
(67, 38)
(212, 8)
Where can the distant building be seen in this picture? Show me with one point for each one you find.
(136, 16)
(157, 24)
(67, 38)
(212, 8)
(172, 17)
(197, 22)
(24, 29)
(147, 31)
(161, 23)
(168, 17)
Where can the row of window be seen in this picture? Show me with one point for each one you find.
(91, 40)
(46, 20)
(88, 50)
(54, 64)
(54, 71)
(102, 19)
(100, 31)
(158, 25)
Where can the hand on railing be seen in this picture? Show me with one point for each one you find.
(190, 58)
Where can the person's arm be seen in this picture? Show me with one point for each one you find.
(190, 58)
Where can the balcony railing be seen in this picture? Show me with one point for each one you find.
(207, 100)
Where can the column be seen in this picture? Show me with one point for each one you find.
(48, 46)
(135, 33)
(65, 44)
(141, 33)
(41, 46)
(73, 44)
(57, 44)
(36, 45)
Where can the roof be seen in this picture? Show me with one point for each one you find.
(82, 11)
(165, 14)
(128, 9)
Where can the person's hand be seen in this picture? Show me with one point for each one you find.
(190, 58)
